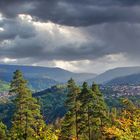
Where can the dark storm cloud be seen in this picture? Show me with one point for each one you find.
(75, 12)
(113, 27)
(11, 8)
(118, 37)
(15, 27)
(33, 49)
(88, 51)
(39, 49)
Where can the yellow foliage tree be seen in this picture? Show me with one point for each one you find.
(127, 124)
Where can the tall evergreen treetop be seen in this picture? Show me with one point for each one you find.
(85, 94)
(18, 83)
(27, 121)
(73, 92)
(69, 127)
(99, 98)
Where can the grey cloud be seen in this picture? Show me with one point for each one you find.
(87, 13)
(120, 37)
(12, 8)
(75, 12)
(88, 51)
(15, 27)
(34, 50)
(110, 39)
(22, 48)
(113, 27)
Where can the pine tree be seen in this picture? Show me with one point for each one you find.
(99, 113)
(66, 127)
(3, 129)
(27, 122)
(93, 112)
(86, 98)
(70, 123)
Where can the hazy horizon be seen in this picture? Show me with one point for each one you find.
(69, 70)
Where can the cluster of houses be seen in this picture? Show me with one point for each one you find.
(126, 90)
(4, 96)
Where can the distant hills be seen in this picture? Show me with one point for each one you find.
(133, 79)
(114, 73)
(42, 77)
(4, 86)
(52, 100)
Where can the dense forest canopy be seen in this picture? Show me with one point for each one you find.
(67, 112)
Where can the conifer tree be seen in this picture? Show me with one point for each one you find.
(93, 112)
(27, 122)
(86, 102)
(70, 123)
(3, 130)
(67, 127)
(99, 113)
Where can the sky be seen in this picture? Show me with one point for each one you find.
(78, 35)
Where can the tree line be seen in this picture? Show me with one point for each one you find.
(87, 118)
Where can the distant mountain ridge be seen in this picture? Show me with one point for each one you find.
(133, 79)
(42, 77)
(114, 73)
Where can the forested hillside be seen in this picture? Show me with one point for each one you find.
(4, 86)
(133, 79)
(52, 102)
(111, 74)
(67, 112)
(41, 78)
